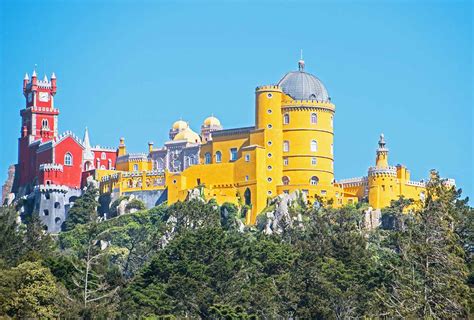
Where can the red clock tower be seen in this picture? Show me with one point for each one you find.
(39, 122)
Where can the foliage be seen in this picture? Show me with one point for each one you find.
(135, 204)
(83, 210)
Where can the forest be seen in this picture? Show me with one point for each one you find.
(195, 260)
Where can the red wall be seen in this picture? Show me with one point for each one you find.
(71, 174)
(112, 155)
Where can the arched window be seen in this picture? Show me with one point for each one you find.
(314, 118)
(314, 146)
(286, 118)
(313, 181)
(218, 156)
(286, 146)
(68, 159)
(45, 124)
(135, 167)
(285, 180)
(332, 121)
(207, 158)
(103, 156)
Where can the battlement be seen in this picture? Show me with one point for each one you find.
(45, 84)
(352, 181)
(43, 188)
(45, 109)
(106, 149)
(308, 103)
(268, 88)
(142, 157)
(416, 183)
(385, 171)
(51, 167)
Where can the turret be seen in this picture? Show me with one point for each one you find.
(34, 81)
(25, 82)
(150, 146)
(53, 84)
(122, 150)
(381, 160)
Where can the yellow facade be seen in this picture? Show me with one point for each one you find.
(291, 147)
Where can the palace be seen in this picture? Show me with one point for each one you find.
(290, 147)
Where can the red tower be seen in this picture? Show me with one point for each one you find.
(39, 123)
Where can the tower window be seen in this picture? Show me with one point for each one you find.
(57, 205)
(135, 167)
(313, 161)
(285, 180)
(269, 179)
(207, 158)
(332, 149)
(285, 161)
(314, 181)
(45, 124)
(314, 118)
(269, 155)
(269, 95)
(103, 156)
(218, 157)
(269, 111)
(269, 142)
(314, 146)
(332, 121)
(286, 146)
(269, 167)
(68, 159)
(286, 118)
(233, 154)
(270, 126)
(247, 157)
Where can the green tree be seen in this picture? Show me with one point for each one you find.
(428, 273)
(30, 291)
(83, 210)
(11, 239)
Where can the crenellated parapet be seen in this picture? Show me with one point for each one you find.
(352, 182)
(389, 171)
(43, 188)
(51, 167)
(268, 88)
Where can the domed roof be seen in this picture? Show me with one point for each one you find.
(180, 125)
(301, 85)
(212, 121)
(188, 135)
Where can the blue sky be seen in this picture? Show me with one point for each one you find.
(132, 68)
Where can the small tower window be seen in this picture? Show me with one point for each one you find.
(135, 167)
(285, 180)
(285, 161)
(314, 118)
(332, 149)
(332, 121)
(45, 124)
(314, 181)
(314, 146)
(207, 158)
(68, 159)
(103, 156)
(286, 146)
(218, 157)
(313, 161)
(247, 157)
(286, 118)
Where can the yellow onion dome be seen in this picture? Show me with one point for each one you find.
(211, 121)
(180, 125)
(188, 135)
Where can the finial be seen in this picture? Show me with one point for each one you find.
(26, 77)
(382, 141)
(45, 78)
(53, 76)
(34, 71)
(301, 61)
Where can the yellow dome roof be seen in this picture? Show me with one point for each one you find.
(180, 125)
(212, 121)
(188, 135)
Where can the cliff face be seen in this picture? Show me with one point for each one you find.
(7, 187)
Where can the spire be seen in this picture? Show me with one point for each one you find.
(34, 72)
(53, 76)
(382, 153)
(26, 77)
(45, 78)
(87, 143)
(301, 62)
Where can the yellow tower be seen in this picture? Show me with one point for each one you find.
(382, 179)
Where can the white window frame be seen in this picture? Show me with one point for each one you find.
(68, 159)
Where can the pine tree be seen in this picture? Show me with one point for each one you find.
(83, 210)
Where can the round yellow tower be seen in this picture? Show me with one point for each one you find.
(382, 178)
(307, 116)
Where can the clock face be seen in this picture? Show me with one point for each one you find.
(30, 97)
(43, 96)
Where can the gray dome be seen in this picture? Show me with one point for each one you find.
(301, 85)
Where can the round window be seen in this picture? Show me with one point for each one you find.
(269, 95)
(269, 167)
(269, 110)
(269, 192)
(269, 179)
(269, 155)
(270, 126)
(269, 143)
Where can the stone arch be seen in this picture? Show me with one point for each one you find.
(248, 197)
